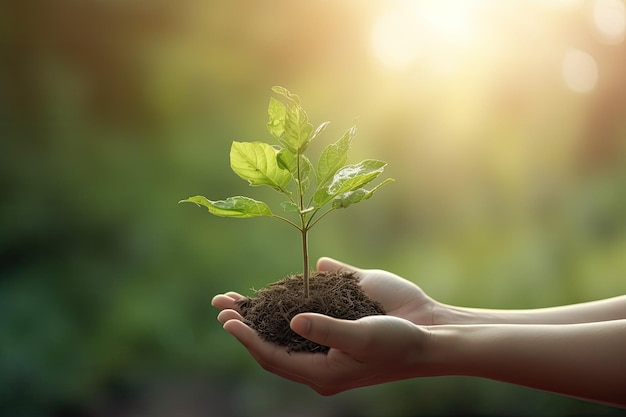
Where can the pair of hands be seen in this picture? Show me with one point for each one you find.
(368, 351)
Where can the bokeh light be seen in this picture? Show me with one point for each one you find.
(580, 71)
(609, 17)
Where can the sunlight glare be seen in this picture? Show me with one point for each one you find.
(394, 40)
(415, 28)
(609, 18)
(563, 3)
(447, 19)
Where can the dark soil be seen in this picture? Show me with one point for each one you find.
(334, 294)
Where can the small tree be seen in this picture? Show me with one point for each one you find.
(312, 191)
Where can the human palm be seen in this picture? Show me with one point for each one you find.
(400, 297)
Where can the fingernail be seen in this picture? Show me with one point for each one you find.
(301, 325)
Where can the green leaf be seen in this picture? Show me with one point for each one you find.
(348, 178)
(277, 114)
(287, 94)
(333, 157)
(256, 162)
(287, 160)
(319, 130)
(356, 196)
(297, 130)
(238, 207)
(289, 123)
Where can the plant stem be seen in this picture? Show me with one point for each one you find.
(304, 230)
(312, 223)
(305, 256)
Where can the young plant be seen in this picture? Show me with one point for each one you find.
(312, 192)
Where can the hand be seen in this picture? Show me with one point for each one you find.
(368, 351)
(399, 297)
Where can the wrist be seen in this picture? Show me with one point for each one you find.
(462, 350)
(440, 353)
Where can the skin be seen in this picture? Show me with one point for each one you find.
(577, 350)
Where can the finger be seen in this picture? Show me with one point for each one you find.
(329, 264)
(228, 314)
(345, 335)
(224, 301)
(234, 295)
(327, 374)
(242, 332)
(274, 358)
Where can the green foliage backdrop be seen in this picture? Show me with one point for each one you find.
(510, 189)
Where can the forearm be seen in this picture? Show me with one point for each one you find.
(580, 360)
(601, 310)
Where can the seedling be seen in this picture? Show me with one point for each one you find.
(312, 192)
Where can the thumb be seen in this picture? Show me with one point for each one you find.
(345, 335)
(329, 264)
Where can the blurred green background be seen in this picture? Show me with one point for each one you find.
(503, 122)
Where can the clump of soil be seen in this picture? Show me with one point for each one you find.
(336, 294)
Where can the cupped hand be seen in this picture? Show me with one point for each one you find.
(399, 297)
(368, 351)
